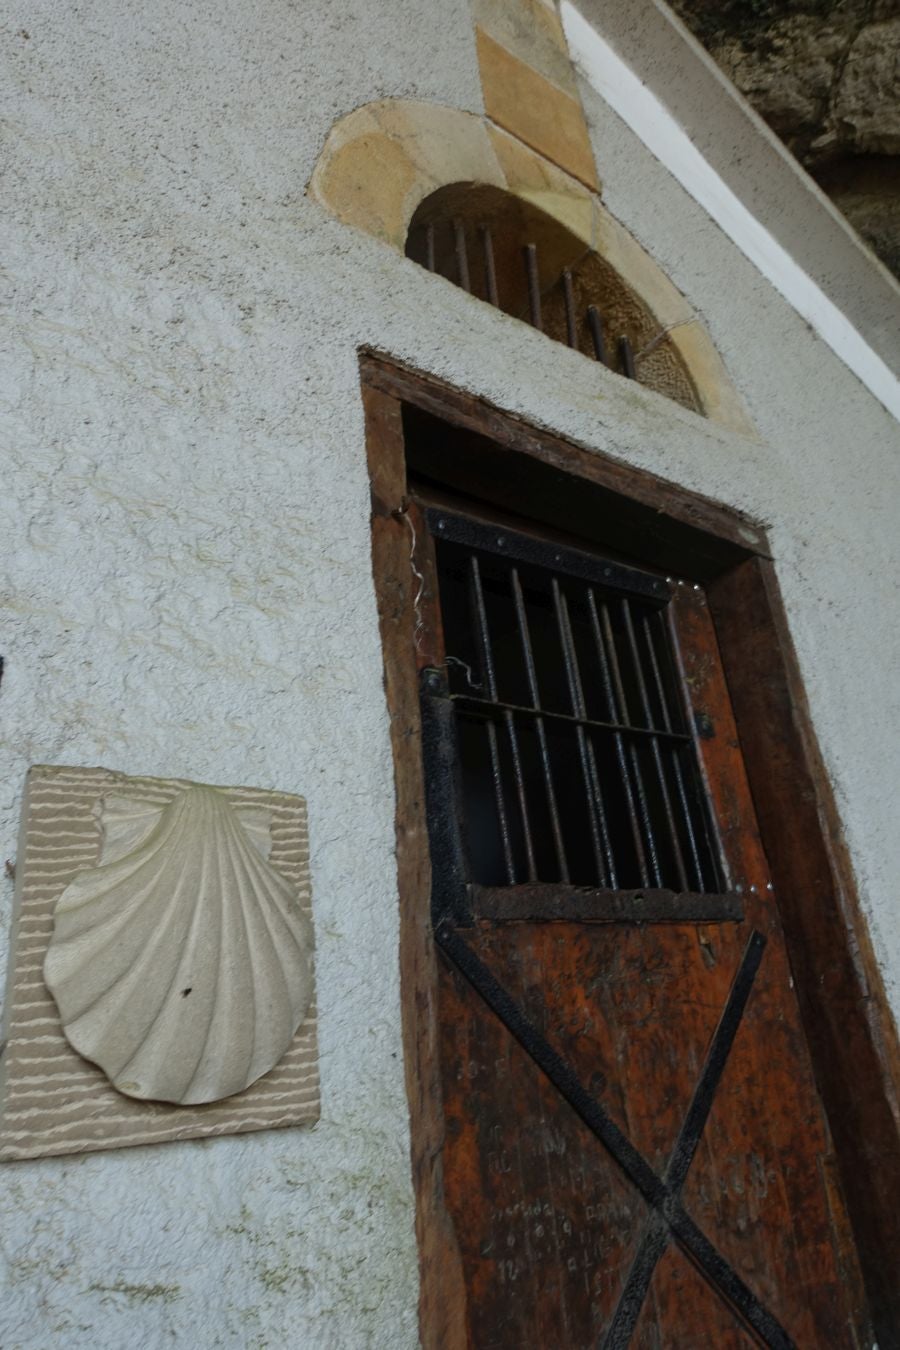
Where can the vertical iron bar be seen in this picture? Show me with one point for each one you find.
(626, 356)
(490, 270)
(521, 794)
(674, 751)
(606, 863)
(487, 669)
(429, 246)
(654, 744)
(711, 828)
(513, 735)
(596, 326)
(462, 257)
(534, 286)
(531, 675)
(569, 295)
(618, 705)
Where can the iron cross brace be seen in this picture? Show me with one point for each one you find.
(669, 1219)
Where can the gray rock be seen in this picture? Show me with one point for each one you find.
(865, 107)
(825, 75)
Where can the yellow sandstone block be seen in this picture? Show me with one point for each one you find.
(524, 102)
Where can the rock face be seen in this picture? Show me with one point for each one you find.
(825, 74)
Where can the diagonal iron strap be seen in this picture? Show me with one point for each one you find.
(669, 1219)
(656, 1237)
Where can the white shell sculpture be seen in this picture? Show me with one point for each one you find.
(182, 964)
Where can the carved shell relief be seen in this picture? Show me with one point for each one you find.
(182, 963)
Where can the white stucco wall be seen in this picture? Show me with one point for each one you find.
(185, 540)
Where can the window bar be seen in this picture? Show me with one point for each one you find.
(490, 270)
(512, 733)
(487, 667)
(462, 257)
(626, 356)
(472, 701)
(618, 707)
(569, 296)
(647, 624)
(595, 324)
(720, 863)
(429, 247)
(606, 863)
(534, 288)
(657, 756)
(531, 674)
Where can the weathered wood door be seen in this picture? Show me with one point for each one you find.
(635, 1152)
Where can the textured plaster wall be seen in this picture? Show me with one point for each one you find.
(188, 591)
(185, 538)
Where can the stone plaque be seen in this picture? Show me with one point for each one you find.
(173, 923)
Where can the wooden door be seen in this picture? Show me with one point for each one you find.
(635, 1153)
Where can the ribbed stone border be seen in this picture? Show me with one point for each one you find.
(51, 1100)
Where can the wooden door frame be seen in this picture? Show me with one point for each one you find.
(846, 1017)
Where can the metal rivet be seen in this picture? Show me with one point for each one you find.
(681, 583)
(500, 541)
(670, 580)
(557, 557)
(696, 587)
(769, 886)
(440, 525)
(607, 571)
(753, 890)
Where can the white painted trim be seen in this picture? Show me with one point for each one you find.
(652, 122)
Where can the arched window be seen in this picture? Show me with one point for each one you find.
(508, 252)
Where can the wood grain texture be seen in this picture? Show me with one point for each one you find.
(845, 1012)
(442, 1292)
(787, 1118)
(55, 1102)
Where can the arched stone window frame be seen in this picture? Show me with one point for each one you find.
(380, 162)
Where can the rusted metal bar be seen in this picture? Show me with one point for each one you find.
(443, 803)
(674, 839)
(524, 548)
(521, 794)
(605, 643)
(681, 787)
(626, 357)
(595, 323)
(569, 296)
(603, 853)
(541, 730)
(487, 669)
(490, 270)
(472, 703)
(462, 257)
(534, 287)
(543, 903)
(718, 858)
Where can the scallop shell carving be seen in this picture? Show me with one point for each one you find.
(182, 964)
